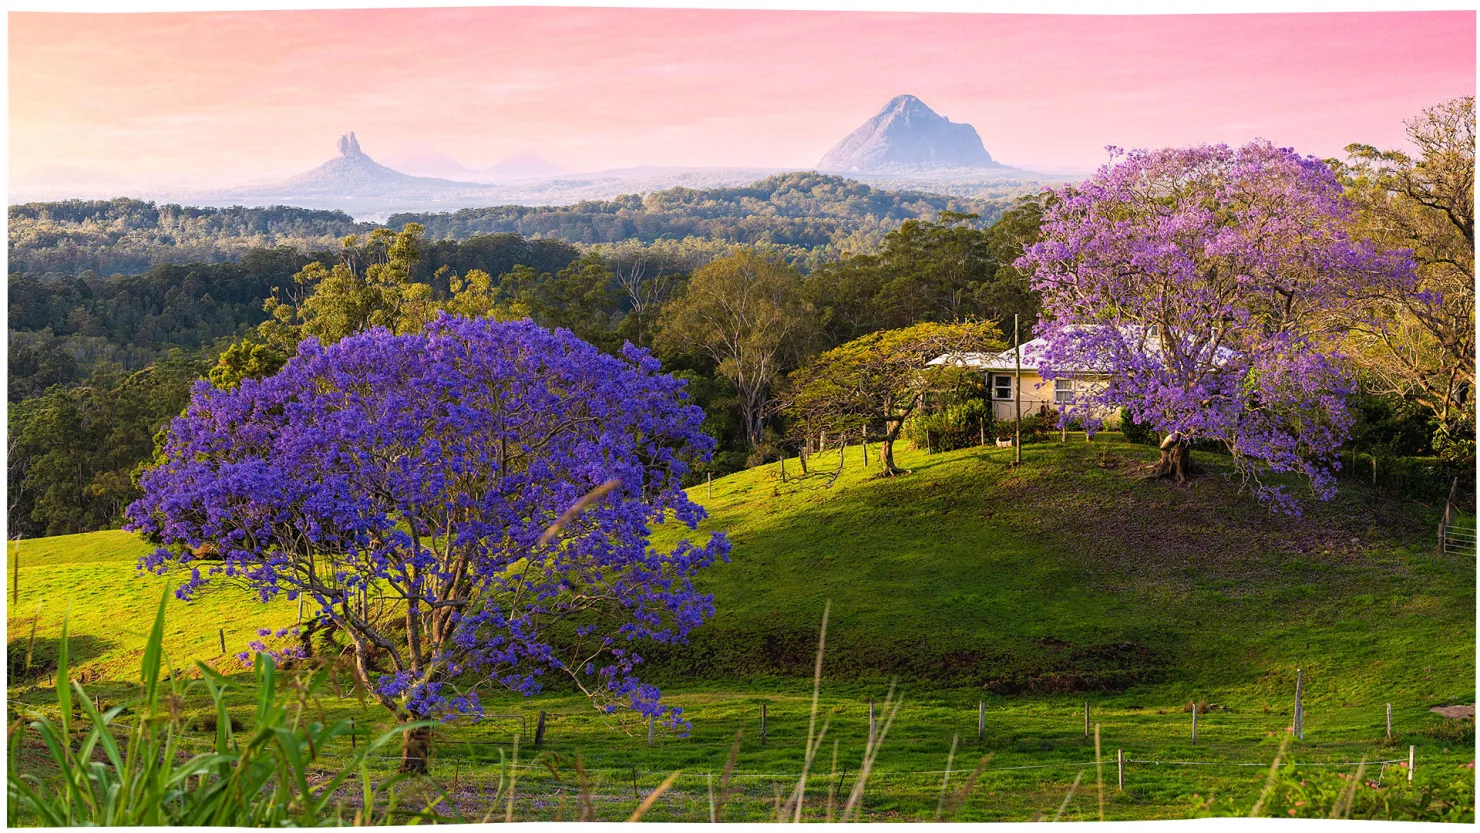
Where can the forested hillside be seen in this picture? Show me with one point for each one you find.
(807, 211)
(128, 236)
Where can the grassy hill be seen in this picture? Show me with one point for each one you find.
(1032, 588)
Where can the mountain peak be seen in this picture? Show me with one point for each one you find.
(908, 136)
(349, 146)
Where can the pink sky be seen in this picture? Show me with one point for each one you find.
(218, 99)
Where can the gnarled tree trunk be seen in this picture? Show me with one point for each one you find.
(1176, 459)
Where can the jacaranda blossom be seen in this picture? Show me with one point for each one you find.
(1205, 289)
(407, 485)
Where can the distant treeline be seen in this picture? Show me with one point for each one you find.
(808, 211)
(127, 236)
(806, 218)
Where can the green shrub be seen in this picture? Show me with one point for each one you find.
(947, 428)
(1323, 794)
(132, 763)
(1135, 432)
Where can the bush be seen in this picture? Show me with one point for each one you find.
(1135, 432)
(961, 425)
(1318, 793)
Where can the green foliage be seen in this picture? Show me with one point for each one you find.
(1314, 793)
(244, 360)
(1135, 432)
(133, 763)
(127, 235)
(796, 212)
(957, 418)
(73, 450)
(926, 270)
(745, 313)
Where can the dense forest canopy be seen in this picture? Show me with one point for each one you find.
(808, 211)
(127, 235)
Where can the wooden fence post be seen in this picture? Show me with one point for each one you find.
(635, 796)
(15, 581)
(1194, 720)
(709, 481)
(352, 742)
(763, 724)
(539, 730)
(1410, 763)
(981, 720)
(871, 722)
(783, 467)
(221, 632)
(1120, 770)
(1390, 721)
(1086, 719)
(1299, 726)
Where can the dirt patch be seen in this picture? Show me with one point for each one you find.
(1455, 712)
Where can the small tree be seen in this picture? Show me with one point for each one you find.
(882, 377)
(1207, 285)
(410, 486)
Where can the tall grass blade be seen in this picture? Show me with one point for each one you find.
(724, 781)
(965, 792)
(1069, 796)
(945, 781)
(647, 803)
(801, 790)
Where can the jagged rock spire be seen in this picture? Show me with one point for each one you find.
(349, 145)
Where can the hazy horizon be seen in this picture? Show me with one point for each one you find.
(211, 100)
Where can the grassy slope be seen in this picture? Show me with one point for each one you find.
(1060, 577)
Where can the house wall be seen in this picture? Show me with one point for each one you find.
(1037, 392)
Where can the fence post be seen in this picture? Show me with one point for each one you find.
(352, 742)
(1194, 720)
(15, 581)
(981, 720)
(763, 724)
(1120, 770)
(539, 730)
(1390, 721)
(783, 467)
(709, 481)
(221, 632)
(1086, 719)
(651, 721)
(1410, 763)
(1299, 726)
(871, 722)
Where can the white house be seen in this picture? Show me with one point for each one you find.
(1000, 369)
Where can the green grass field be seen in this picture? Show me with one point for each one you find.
(1031, 589)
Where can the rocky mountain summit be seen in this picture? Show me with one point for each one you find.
(907, 136)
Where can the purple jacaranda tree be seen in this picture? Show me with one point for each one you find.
(470, 506)
(1201, 289)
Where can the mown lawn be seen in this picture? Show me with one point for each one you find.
(1031, 590)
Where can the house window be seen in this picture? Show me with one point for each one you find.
(1063, 391)
(1002, 387)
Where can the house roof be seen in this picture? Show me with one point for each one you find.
(1032, 353)
(1032, 350)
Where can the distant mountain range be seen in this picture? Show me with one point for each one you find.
(906, 146)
